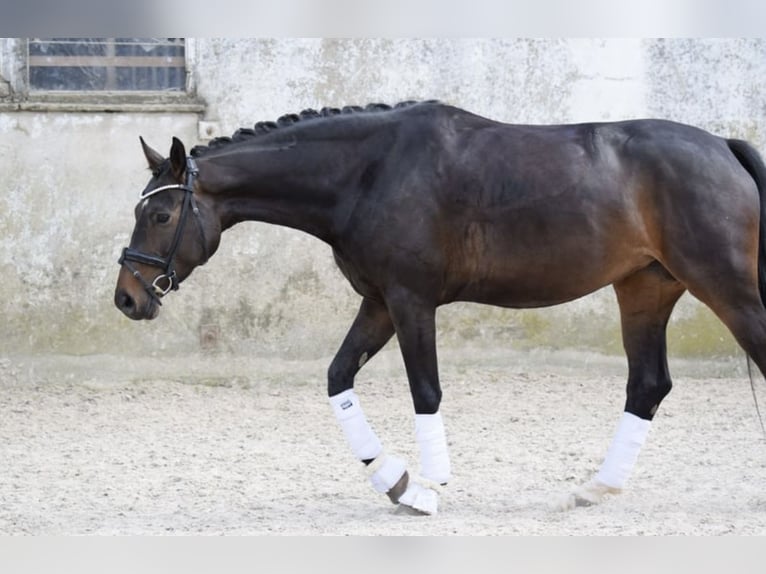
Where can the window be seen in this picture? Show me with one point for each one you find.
(106, 64)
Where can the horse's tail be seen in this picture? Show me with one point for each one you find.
(751, 160)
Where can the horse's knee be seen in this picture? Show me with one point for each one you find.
(645, 396)
(339, 377)
(426, 399)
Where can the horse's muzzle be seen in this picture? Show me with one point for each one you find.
(126, 303)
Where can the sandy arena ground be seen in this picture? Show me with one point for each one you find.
(223, 445)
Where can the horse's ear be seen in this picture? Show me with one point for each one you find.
(152, 156)
(178, 159)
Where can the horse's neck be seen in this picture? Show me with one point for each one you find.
(298, 185)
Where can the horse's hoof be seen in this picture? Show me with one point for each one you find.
(564, 503)
(589, 494)
(399, 488)
(571, 501)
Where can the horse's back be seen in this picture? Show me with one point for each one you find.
(520, 215)
(539, 215)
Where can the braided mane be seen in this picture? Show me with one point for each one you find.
(262, 128)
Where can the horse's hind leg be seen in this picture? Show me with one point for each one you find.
(737, 303)
(646, 299)
(370, 331)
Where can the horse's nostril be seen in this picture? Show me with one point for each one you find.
(125, 302)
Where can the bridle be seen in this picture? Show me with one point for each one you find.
(168, 280)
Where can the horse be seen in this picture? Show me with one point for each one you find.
(424, 204)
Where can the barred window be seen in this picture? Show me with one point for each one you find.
(106, 64)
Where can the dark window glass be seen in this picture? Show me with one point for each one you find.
(107, 64)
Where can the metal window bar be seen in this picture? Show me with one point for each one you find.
(108, 64)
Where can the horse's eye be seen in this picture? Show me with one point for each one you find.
(162, 217)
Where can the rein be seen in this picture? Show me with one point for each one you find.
(168, 280)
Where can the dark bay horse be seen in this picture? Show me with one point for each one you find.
(424, 204)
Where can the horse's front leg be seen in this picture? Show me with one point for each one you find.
(414, 321)
(370, 331)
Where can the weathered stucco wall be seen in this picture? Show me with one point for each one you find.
(70, 181)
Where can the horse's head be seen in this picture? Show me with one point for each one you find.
(176, 230)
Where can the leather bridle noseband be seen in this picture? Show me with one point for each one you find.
(167, 280)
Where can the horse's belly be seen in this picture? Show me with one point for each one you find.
(538, 257)
(544, 286)
(518, 297)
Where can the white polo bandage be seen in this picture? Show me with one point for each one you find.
(364, 443)
(434, 457)
(385, 471)
(623, 451)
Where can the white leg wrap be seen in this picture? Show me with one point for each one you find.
(364, 443)
(421, 497)
(434, 457)
(422, 492)
(385, 471)
(623, 451)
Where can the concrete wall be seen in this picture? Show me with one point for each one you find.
(70, 181)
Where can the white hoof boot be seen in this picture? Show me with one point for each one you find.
(420, 498)
(588, 494)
